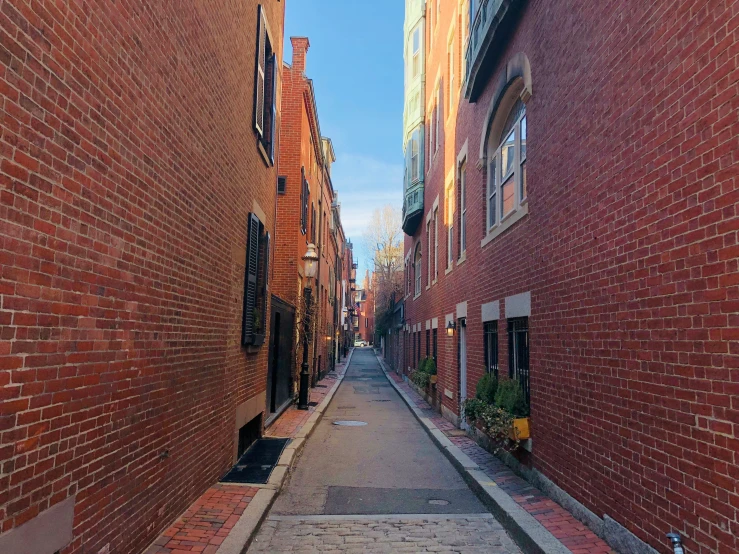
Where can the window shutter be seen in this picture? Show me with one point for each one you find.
(273, 115)
(259, 79)
(281, 184)
(265, 276)
(250, 280)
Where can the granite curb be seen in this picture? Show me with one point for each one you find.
(249, 522)
(530, 535)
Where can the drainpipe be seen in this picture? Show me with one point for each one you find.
(677, 543)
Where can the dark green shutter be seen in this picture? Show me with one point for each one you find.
(250, 280)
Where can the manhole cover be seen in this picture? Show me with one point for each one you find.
(439, 502)
(350, 423)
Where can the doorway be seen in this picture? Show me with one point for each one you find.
(280, 364)
(462, 372)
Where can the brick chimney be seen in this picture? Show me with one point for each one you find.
(300, 49)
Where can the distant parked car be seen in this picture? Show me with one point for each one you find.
(360, 343)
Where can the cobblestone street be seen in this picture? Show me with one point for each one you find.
(469, 534)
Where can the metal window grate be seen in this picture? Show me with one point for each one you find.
(518, 353)
(490, 343)
(281, 184)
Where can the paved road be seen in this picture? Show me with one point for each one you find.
(380, 487)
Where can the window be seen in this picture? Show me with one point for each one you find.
(265, 88)
(450, 228)
(415, 157)
(428, 343)
(281, 184)
(418, 350)
(416, 52)
(463, 208)
(417, 268)
(450, 65)
(255, 283)
(507, 168)
(313, 224)
(518, 353)
(436, 243)
(428, 241)
(304, 193)
(431, 134)
(490, 345)
(437, 116)
(435, 344)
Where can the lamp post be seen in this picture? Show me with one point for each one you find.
(311, 265)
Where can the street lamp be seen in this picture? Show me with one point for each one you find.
(311, 266)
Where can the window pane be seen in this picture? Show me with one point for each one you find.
(508, 192)
(523, 138)
(416, 40)
(506, 154)
(492, 188)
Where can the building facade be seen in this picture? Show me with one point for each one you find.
(136, 209)
(308, 212)
(601, 275)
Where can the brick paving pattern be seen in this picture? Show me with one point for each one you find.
(207, 522)
(562, 524)
(210, 519)
(383, 534)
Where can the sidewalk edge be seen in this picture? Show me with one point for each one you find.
(247, 527)
(529, 534)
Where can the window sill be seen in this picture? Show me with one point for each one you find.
(507, 223)
(428, 286)
(462, 258)
(448, 270)
(418, 295)
(434, 282)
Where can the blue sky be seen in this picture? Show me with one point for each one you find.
(356, 63)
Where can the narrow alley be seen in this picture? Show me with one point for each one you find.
(379, 485)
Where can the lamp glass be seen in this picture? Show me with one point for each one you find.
(311, 261)
(450, 329)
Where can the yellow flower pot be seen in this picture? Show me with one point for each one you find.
(520, 429)
(433, 379)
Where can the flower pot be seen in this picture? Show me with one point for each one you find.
(433, 379)
(520, 430)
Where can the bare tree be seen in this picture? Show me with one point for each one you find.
(383, 240)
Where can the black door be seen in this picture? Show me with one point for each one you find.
(279, 375)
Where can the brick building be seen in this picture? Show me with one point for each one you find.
(137, 178)
(603, 274)
(308, 212)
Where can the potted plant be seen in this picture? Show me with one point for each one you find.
(431, 370)
(509, 397)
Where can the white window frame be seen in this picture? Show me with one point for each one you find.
(417, 265)
(415, 157)
(439, 106)
(495, 216)
(463, 207)
(428, 242)
(416, 53)
(450, 61)
(450, 226)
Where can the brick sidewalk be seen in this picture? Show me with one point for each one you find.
(206, 524)
(572, 533)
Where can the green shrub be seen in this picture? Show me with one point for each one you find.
(430, 366)
(509, 397)
(473, 408)
(494, 421)
(486, 387)
(421, 379)
(422, 365)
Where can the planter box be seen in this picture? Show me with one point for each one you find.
(520, 429)
(433, 379)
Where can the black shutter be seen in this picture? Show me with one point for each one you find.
(260, 73)
(273, 109)
(265, 277)
(250, 280)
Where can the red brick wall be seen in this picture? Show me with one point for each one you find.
(128, 170)
(630, 253)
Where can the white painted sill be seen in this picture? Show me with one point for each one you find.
(462, 258)
(504, 225)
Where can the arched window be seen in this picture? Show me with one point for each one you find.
(417, 267)
(506, 155)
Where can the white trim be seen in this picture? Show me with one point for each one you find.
(500, 228)
(490, 311)
(428, 324)
(435, 323)
(518, 305)
(447, 319)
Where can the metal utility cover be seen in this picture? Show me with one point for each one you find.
(350, 423)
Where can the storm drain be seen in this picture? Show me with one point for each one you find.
(350, 423)
(256, 465)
